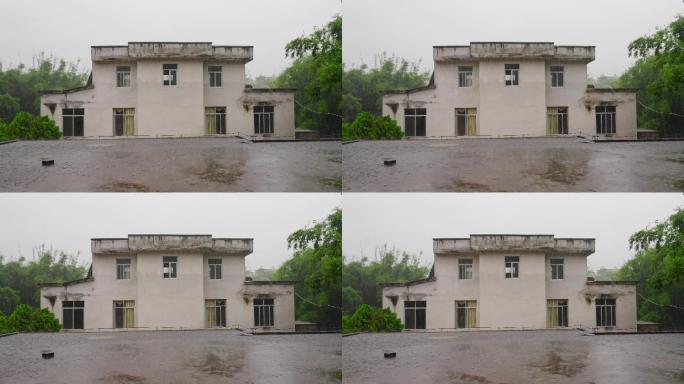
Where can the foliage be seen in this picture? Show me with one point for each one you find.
(361, 279)
(49, 266)
(659, 75)
(4, 325)
(28, 319)
(369, 319)
(24, 84)
(316, 74)
(9, 299)
(371, 127)
(9, 106)
(25, 126)
(363, 87)
(316, 266)
(659, 269)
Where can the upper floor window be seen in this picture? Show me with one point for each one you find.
(512, 267)
(123, 76)
(215, 76)
(465, 269)
(123, 269)
(605, 312)
(263, 119)
(512, 74)
(557, 269)
(214, 269)
(605, 119)
(465, 76)
(170, 264)
(557, 76)
(170, 72)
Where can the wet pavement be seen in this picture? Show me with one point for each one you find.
(171, 357)
(513, 165)
(514, 357)
(171, 165)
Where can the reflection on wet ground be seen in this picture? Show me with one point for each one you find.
(171, 357)
(514, 357)
(513, 165)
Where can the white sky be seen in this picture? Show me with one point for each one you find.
(67, 28)
(68, 221)
(410, 28)
(409, 221)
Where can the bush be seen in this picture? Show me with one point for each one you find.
(25, 126)
(27, 319)
(4, 325)
(367, 126)
(369, 319)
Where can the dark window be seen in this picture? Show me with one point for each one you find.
(263, 312)
(415, 121)
(512, 267)
(123, 269)
(263, 119)
(124, 121)
(123, 76)
(215, 76)
(465, 76)
(557, 120)
(72, 314)
(215, 269)
(124, 313)
(170, 73)
(216, 120)
(557, 313)
(170, 264)
(557, 269)
(466, 314)
(605, 119)
(216, 313)
(414, 314)
(557, 76)
(73, 121)
(466, 121)
(605, 312)
(512, 72)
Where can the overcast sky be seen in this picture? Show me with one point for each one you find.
(409, 221)
(410, 28)
(68, 221)
(67, 28)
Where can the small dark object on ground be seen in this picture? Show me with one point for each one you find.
(390, 355)
(389, 162)
(48, 162)
(48, 354)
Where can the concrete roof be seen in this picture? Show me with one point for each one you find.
(514, 242)
(137, 243)
(514, 50)
(141, 50)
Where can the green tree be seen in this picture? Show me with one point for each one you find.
(361, 279)
(371, 127)
(28, 319)
(659, 75)
(316, 266)
(369, 319)
(658, 267)
(9, 106)
(9, 299)
(316, 74)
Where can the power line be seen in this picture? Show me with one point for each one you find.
(658, 304)
(318, 305)
(657, 111)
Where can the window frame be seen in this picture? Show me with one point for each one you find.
(215, 76)
(263, 119)
(264, 311)
(74, 115)
(219, 114)
(123, 268)
(465, 307)
(170, 267)
(465, 268)
(219, 308)
(557, 269)
(415, 115)
(606, 119)
(465, 76)
(561, 117)
(557, 76)
(606, 311)
(124, 306)
(74, 307)
(215, 268)
(512, 267)
(415, 307)
(126, 116)
(123, 76)
(169, 75)
(561, 308)
(512, 75)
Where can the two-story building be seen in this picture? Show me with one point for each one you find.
(499, 89)
(170, 89)
(170, 281)
(512, 281)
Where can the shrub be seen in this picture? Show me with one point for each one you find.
(4, 325)
(369, 319)
(25, 126)
(27, 319)
(367, 126)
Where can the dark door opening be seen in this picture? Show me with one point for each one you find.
(72, 314)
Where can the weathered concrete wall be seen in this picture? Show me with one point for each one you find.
(626, 115)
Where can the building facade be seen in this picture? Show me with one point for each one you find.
(170, 89)
(512, 281)
(170, 281)
(513, 89)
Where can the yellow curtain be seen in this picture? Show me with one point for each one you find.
(129, 313)
(211, 313)
(211, 121)
(552, 120)
(472, 121)
(552, 313)
(129, 121)
(472, 313)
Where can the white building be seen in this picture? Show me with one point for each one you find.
(512, 281)
(170, 281)
(497, 89)
(170, 89)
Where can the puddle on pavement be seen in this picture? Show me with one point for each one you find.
(561, 167)
(555, 364)
(225, 366)
(465, 378)
(123, 378)
(216, 173)
(334, 376)
(459, 185)
(334, 183)
(125, 186)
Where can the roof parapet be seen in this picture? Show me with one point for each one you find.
(171, 50)
(541, 243)
(513, 50)
(156, 243)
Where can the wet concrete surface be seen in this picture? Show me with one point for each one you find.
(514, 357)
(171, 165)
(171, 357)
(513, 165)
